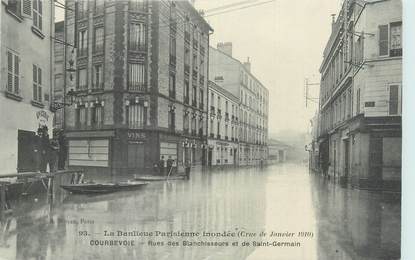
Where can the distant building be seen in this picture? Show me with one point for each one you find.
(26, 62)
(141, 66)
(236, 77)
(223, 127)
(277, 151)
(361, 95)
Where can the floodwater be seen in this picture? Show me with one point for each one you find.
(279, 212)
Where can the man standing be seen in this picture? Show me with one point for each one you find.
(169, 165)
(187, 167)
(162, 165)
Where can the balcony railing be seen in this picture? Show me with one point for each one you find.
(137, 87)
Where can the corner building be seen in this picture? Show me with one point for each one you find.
(361, 96)
(140, 68)
(236, 77)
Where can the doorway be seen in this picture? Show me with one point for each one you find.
(26, 158)
(346, 158)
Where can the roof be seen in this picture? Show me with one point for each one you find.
(223, 91)
(240, 64)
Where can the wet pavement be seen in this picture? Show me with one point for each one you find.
(280, 212)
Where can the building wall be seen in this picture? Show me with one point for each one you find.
(24, 114)
(355, 99)
(160, 61)
(223, 143)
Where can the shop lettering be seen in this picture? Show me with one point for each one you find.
(136, 136)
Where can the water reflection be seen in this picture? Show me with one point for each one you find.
(348, 224)
(356, 224)
(210, 201)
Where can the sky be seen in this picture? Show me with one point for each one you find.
(284, 40)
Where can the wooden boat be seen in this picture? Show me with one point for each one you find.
(101, 188)
(158, 178)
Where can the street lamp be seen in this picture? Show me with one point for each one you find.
(56, 105)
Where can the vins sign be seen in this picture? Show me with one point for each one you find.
(136, 136)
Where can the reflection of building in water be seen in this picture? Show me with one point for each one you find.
(370, 228)
(205, 204)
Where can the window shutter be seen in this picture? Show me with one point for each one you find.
(26, 8)
(383, 40)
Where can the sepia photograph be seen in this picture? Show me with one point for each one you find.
(202, 129)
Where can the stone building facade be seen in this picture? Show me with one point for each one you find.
(360, 95)
(26, 63)
(140, 68)
(236, 77)
(223, 127)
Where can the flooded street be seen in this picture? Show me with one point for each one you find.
(326, 220)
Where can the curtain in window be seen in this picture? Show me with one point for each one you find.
(136, 77)
(136, 116)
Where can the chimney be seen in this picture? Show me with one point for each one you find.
(247, 64)
(225, 47)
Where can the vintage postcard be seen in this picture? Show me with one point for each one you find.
(201, 129)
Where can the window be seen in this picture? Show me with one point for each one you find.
(82, 79)
(396, 39)
(172, 45)
(37, 83)
(137, 36)
(136, 115)
(383, 40)
(186, 91)
(136, 77)
(201, 98)
(200, 127)
(99, 6)
(394, 100)
(218, 129)
(138, 5)
(14, 6)
(81, 116)
(13, 84)
(83, 42)
(99, 39)
(186, 56)
(82, 9)
(358, 101)
(194, 95)
(97, 82)
(37, 14)
(195, 62)
(172, 85)
(171, 120)
(193, 125)
(211, 127)
(186, 123)
(96, 115)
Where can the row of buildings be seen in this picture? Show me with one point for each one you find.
(357, 132)
(130, 82)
